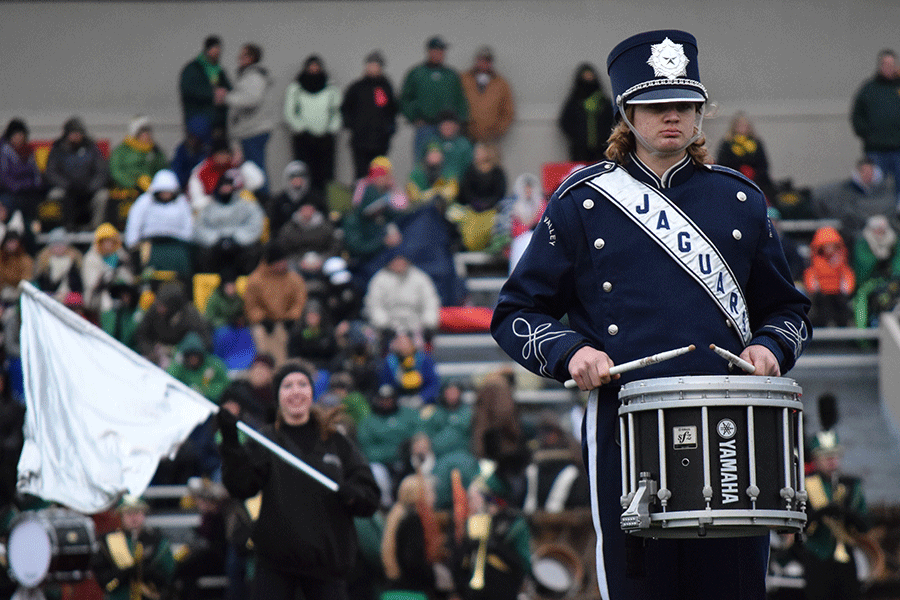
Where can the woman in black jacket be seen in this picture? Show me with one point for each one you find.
(304, 539)
(586, 118)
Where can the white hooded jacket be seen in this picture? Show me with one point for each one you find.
(149, 218)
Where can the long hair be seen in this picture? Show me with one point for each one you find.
(412, 495)
(622, 143)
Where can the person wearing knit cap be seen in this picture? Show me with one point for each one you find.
(104, 263)
(296, 191)
(134, 162)
(369, 110)
(203, 85)
(77, 173)
(653, 249)
(304, 539)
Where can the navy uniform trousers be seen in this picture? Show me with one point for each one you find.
(661, 569)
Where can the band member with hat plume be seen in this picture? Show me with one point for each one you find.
(650, 250)
(135, 561)
(837, 510)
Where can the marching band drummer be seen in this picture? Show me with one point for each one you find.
(651, 250)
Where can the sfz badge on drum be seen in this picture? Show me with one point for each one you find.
(684, 437)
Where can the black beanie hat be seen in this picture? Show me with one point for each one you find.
(288, 368)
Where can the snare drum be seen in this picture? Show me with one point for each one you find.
(53, 544)
(715, 456)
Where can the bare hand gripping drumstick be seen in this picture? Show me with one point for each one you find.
(641, 362)
(733, 358)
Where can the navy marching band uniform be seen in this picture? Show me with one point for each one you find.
(639, 264)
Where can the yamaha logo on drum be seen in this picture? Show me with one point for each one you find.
(726, 429)
(728, 461)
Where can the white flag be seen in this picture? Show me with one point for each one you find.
(99, 416)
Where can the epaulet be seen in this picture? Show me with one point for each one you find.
(583, 174)
(735, 174)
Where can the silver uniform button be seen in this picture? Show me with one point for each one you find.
(588, 204)
(613, 329)
(607, 286)
(741, 196)
(736, 233)
(599, 243)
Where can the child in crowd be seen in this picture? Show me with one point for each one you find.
(829, 279)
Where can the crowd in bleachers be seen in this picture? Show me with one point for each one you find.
(200, 264)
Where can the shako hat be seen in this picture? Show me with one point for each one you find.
(654, 67)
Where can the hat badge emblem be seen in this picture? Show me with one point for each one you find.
(668, 60)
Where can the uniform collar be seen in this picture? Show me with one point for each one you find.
(677, 174)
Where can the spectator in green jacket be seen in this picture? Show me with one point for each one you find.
(198, 369)
(876, 117)
(428, 89)
(225, 305)
(122, 320)
(381, 434)
(458, 150)
(134, 162)
(448, 422)
(203, 86)
(342, 390)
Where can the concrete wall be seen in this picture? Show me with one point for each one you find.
(793, 65)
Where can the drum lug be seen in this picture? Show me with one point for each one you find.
(637, 516)
(753, 493)
(788, 494)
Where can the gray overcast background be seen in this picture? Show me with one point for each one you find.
(794, 65)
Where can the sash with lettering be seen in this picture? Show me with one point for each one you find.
(680, 237)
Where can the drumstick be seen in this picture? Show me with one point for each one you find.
(641, 362)
(733, 358)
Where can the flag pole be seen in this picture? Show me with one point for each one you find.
(288, 457)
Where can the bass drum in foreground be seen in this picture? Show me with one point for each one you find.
(716, 456)
(53, 544)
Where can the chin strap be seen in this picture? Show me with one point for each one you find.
(643, 142)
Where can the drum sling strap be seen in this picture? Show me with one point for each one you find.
(681, 239)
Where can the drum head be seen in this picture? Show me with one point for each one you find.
(552, 576)
(29, 552)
